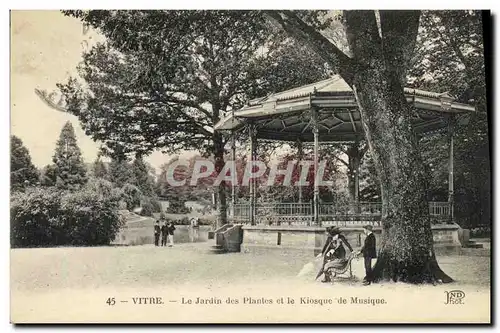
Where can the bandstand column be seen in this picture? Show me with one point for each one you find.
(357, 163)
(253, 154)
(300, 155)
(314, 118)
(233, 174)
(451, 190)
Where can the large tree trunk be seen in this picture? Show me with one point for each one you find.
(406, 250)
(354, 160)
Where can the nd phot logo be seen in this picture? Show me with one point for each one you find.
(454, 297)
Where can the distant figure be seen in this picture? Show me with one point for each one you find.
(195, 225)
(170, 231)
(157, 232)
(369, 252)
(195, 222)
(164, 233)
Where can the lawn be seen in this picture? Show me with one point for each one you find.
(73, 284)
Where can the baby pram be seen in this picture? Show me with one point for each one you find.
(341, 268)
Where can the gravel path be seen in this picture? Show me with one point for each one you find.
(81, 279)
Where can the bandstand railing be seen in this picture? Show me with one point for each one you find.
(302, 214)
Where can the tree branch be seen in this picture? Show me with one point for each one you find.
(185, 103)
(363, 38)
(306, 34)
(399, 36)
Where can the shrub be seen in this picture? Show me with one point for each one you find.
(88, 219)
(48, 217)
(182, 221)
(104, 189)
(207, 221)
(156, 205)
(132, 195)
(177, 206)
(34, 216)
(147, 207)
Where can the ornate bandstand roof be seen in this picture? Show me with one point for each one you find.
(286, 115)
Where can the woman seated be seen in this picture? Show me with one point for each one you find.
(334, 253)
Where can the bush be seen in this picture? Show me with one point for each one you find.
(177, 206)
(147, 207)
(481, 231)
(104, 189)
(48, 217)
(156, 205)
(132, 195)
(206, 222)
(34, 217)
(90, 220)
(182, 221)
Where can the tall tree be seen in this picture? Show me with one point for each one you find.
(142, 178)
(450, 57)
(70, 169)
(163, 79)
(22, 171)
(381, 47)
(48, 176)
(99, 169)
(119, 172)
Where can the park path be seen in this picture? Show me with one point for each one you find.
(73, 284)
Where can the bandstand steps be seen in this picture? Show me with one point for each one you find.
(217, 249)
(473, 245)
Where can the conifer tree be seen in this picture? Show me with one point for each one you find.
(142, 178)
(119, 172)
(22, 171)
(71, 171)
(99, 169)
(48, 175)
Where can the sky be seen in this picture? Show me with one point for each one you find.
(46, 47)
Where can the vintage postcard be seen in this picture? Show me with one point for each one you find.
(230, 166)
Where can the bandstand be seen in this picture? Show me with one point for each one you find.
(326, 112)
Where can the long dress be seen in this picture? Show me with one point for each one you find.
(334, 253)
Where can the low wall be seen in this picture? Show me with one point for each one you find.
(145, 235)
(312, 239)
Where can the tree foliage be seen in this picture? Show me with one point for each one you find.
(119, 172)
(132, 196)
(450, 58)
(71, 172)
(163, 79)
(450, 55)
(48, 175)
(51, 217)
(99, 169)
(22, 171)
(178, 72)
(142, 178)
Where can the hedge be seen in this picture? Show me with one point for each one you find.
(51, 217)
